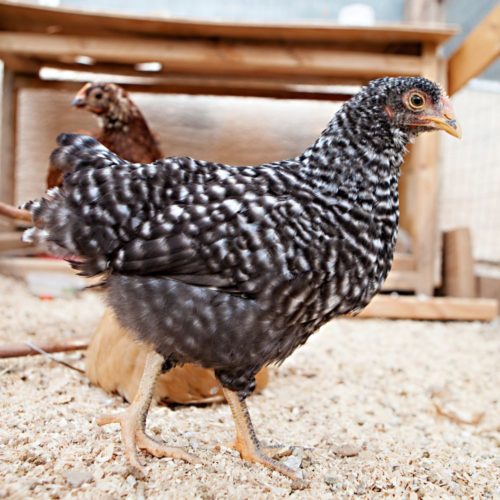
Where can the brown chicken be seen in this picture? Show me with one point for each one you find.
(123, 128)
(114, 360)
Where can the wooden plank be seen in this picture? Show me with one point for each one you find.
(11, 212)
(201, 86)
(431, 308)
(8, 109)
(11, 240)
(215, 57)
(126, 74)
(49, 20)
(21, 65)
(458, 265)
(19, 267)
(477, 52)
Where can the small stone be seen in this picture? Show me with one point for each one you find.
(293, 462)
(279, 492)
(333, 482)
(105, 485)
(139, 493)
(98, 473)
(63, 399)
(360, 489)
(131, 480)
(77, 477)
(4, 437)
(330, 480)
(346, 450)
(106, 454)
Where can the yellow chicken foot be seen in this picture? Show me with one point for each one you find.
(133, 421)
(246, 441)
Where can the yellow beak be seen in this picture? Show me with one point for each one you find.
(445, 120)
(447, 123)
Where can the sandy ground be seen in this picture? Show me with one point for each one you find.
(395, 395)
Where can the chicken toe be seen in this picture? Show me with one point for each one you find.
(133, 421)
(276, 451)
(160, 450)
(129, 429)
(247, 444)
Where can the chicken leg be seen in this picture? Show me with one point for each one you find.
(133, 420)
(246, 441)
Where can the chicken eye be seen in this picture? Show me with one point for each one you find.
(416, 101)
(98, 95)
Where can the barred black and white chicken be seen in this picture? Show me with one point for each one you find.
(233, 268)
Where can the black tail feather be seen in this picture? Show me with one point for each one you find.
(78, 151)
(61, 218)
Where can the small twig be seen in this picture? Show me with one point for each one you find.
(456, 416)
(23, 349)
(52, 358)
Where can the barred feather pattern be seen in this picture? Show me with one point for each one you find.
(230, 267)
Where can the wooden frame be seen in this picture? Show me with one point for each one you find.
(431, 308)
(477, 52)
(235, 59)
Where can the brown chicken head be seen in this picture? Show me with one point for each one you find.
(100, 98)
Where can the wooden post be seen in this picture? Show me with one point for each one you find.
(8, 105)
(458, 276)
(420, 191)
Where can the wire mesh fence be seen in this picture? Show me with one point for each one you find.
(470, 182)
